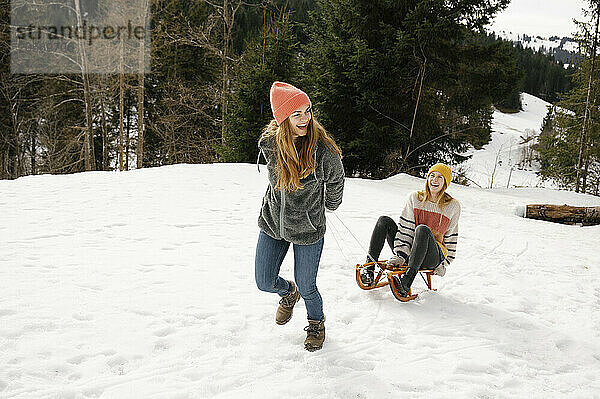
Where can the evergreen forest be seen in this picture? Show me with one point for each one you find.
(399, 85)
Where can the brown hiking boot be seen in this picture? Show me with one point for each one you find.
(286, 305)
(315, 335)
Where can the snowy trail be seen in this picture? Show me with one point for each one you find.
(498, 163)
(141, 284)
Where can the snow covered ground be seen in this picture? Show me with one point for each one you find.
(498, 163)
(141, 285)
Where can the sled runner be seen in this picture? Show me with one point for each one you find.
(383, 276)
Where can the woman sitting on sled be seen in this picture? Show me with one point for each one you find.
(426, 234)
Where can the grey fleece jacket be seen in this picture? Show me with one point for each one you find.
(299, 217)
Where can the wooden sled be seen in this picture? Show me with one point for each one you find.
(383, 276)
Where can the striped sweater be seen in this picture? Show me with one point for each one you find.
(444, 226)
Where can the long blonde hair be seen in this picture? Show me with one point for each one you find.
(443, 198)
(295, 160)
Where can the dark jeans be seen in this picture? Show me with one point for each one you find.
(385, 229)
(425, 253)
(269, 256)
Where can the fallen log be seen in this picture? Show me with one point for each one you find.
(566, 214)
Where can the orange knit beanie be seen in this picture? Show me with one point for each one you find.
(285, 99)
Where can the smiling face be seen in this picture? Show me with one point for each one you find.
(299, 120)
(436, 183)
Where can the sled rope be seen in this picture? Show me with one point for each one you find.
(335, 232)
(425, 281)
(356, 239)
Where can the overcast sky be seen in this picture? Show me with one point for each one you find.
(540, 17)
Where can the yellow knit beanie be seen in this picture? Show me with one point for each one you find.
(444, 170)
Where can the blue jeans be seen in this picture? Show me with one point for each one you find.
(269, 256)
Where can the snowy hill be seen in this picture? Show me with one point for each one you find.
(564, 49)
(537, 42)
(141, 285)
(501, 162)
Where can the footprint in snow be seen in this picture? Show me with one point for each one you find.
(7, 312)
(77, 359)
(93, 393)
(193, 376)
(115, 225)
(83, 317)
(117, 365)
(163, 332)
(161, 345)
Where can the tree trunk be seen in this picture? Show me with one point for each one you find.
(89, 155)
(586, 169)
(104, 132)
(121, 116)
(5, 164)
(565, 214)
(141, 71)
(412, 127)
(33, 150)
(12, 94)
(140, 148)
(127, 136)
(586, 116)
(13, 148)
(225, 76)
(17, 164)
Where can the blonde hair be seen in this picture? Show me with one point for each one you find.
(295, 160)
(443, 198)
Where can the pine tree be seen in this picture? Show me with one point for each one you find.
(570, 155)
(266, 59)
(587, 115)
(559, 141)
(182, 115)
(403, 84)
